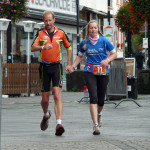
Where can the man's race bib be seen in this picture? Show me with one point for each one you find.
(99, 70)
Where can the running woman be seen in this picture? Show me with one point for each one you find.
(96, 47)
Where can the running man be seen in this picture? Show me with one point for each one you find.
(49, 42)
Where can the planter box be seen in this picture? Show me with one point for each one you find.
(75, 80)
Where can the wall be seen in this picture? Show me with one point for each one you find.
(95, 4)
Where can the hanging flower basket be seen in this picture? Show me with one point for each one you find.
(13, 9)
(126, 20)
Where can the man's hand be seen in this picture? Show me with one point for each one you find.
(69, 68)
(47, 46)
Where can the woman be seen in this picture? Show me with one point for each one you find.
(96, 48)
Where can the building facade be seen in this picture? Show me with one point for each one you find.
(16, 39)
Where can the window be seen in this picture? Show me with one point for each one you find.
(20, 45)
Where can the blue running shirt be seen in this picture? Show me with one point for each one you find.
(95, 53)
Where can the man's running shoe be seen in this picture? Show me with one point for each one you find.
(99, 121)
(96, 130)
(45, 122)
(59, 130)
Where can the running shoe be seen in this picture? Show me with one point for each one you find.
(96, 130)
(59, 130)
(45, 122)
(99, 121)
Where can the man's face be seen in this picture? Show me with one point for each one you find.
(49, 22)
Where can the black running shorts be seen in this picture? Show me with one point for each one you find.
(48, 73)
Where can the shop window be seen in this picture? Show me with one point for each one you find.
(20, 45)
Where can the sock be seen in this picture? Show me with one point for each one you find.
(95, 124)
(58, 121)
(100, 114)
(46, 114)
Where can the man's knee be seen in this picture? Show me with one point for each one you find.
(45, 98)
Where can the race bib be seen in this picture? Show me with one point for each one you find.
(99, 70)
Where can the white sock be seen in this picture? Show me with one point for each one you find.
(58, 121)
(100, 114)
(46, 114)
(95, 124)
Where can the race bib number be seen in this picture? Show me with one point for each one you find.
(99, 70)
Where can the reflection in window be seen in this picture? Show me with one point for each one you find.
(20, 46)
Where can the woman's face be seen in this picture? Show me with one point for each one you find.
(93, 29)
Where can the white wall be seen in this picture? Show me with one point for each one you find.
(100, 5)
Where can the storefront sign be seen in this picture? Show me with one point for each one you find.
(130, 66)
(61, 6)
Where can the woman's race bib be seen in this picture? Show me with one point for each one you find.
(99, 70)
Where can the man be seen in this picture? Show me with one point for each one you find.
(139, 60)
(49, 42)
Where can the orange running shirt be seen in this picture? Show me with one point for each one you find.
(55, 53)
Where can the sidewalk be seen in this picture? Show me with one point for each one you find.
(125, 128)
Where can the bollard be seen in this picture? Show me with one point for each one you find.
(86, 93)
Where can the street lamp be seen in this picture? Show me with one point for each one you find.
(40, 25)
(28, 27)
(3, 27)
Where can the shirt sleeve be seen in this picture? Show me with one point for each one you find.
(81, 49)
(36, 40)
(66, 42)
(108, 45)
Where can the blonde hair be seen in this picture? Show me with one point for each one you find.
(87, 32)
(47, 13)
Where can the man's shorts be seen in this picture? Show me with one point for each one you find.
(50, 72)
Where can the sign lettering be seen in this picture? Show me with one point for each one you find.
(59, 4)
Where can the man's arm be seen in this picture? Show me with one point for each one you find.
(36, 48)
(39, 48)
(69, 54)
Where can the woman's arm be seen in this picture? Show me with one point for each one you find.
(105, 62)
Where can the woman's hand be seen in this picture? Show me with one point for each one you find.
(70, 68)
(105, 62)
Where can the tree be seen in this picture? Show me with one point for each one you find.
(141, 10)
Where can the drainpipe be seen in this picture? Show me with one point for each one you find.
(78, 36)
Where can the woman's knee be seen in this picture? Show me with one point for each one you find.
(93, 100)
(100, 103)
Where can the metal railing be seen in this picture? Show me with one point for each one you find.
(117, 85)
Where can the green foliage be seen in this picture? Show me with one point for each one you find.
(13, 9)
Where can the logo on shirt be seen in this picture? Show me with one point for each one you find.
(45, 37)
(88, 68)
(100, 49)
